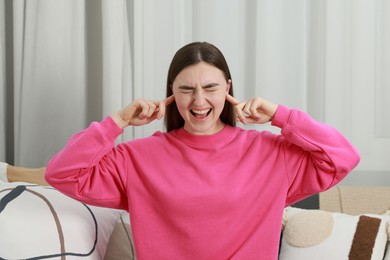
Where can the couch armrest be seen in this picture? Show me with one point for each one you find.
(355, 200)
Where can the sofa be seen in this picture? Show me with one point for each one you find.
(36, 221)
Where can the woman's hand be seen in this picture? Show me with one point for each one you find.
(256, 110)
(141, 112)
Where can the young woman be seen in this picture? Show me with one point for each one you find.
(205, 189)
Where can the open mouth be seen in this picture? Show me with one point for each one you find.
(200, 114)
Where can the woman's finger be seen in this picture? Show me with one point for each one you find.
(240, 113)
(161, 106)
(161, 109)
(169, 100)
(255, 107)
(232, 100)
(247, 106)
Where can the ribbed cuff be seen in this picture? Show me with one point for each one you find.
(281, 116)
(3, 172)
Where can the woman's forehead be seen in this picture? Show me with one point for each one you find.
(199, 73)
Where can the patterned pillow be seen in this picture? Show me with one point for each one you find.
(41, 223)
(316, 234)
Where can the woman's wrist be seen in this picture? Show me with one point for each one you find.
(119, 120)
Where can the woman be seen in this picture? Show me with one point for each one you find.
(205, 189)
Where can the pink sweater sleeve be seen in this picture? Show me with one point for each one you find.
(80, 168)
(330, 156)
(316, 157)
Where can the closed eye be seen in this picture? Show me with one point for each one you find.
(211, 87)
(186, 89)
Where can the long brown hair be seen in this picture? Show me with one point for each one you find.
(191, 54)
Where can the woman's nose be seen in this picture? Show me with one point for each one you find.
(199, 97)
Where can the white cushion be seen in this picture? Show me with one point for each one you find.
(320, 235)
(42, 222)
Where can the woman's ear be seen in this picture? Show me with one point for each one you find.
(171, 87)
(229, 84)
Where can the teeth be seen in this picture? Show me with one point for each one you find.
(200, 112)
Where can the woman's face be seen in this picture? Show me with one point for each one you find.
(200, 92)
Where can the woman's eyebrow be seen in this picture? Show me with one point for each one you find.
(210, 85)
(186, 87)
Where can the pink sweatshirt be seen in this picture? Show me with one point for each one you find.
(204, 197)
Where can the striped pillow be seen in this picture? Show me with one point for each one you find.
(317, 234)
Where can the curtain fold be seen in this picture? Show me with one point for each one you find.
(117, 72)
(3, 101)
(49, 73)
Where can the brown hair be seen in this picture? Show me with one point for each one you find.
(191, 54)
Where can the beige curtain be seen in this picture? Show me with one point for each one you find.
(71, 66)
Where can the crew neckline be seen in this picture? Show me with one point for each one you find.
(221, 137)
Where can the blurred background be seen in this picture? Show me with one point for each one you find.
(66, 63)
